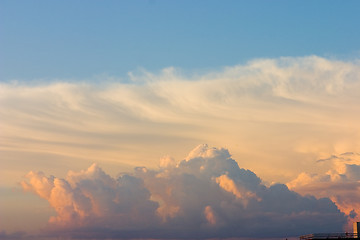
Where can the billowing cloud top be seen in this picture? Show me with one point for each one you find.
(206, 195)
(341, 183)
(278, 116)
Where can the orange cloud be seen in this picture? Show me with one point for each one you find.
(340, 183)
(206, 195)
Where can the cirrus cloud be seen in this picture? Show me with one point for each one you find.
(291, 108)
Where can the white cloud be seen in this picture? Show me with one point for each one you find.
(276, 115)
(206, 195)
(290, 108)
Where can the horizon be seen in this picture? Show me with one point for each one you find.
(178, 120)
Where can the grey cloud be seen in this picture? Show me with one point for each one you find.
(327, 159)
(348, 154)
(340, 182)
(206, 195)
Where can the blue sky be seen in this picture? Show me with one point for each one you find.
(217, 118)
(83, 39)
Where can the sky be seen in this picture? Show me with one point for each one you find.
(178, 119)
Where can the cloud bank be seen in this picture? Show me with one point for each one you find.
(291, 108)
(206, 195)
(341, 183)
(276, 115)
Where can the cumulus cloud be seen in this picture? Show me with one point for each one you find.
(92, 198)
(276, 115)
(341, 183)
(206, 195)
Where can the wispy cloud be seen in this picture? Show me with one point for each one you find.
(207, 195)
(277, 116)
(268, 110)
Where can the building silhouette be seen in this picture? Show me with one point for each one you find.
(321, 236)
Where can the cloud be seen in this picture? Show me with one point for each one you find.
(290, 108)
(16, 235)
(206, 195)
(341, 183)
(270, 110)
(92, 198)
(276, 115)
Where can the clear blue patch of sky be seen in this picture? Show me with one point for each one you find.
(77, 39)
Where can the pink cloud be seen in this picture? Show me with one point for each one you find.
(340, 183)
(207, 195)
